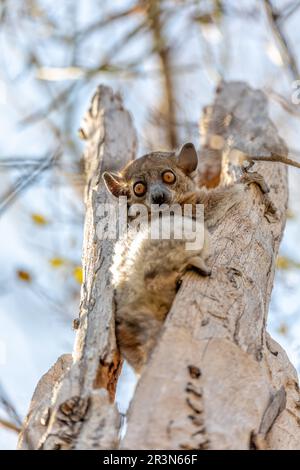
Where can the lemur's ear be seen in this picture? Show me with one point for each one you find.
(114, 183)
(187, 158)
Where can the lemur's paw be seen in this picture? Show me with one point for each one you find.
(256, 178)
(271, 212)
(198, 264)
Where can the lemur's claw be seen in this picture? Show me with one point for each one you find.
(198, 264)
(256, 178)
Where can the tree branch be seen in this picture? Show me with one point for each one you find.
(288, 57)
(163, 51)
(232, 386)
(223, 368)
(79, 409)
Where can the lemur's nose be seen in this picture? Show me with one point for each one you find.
(158, 198)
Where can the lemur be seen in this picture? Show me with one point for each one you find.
(146, 271)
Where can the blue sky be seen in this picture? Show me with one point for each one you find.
(36, 317)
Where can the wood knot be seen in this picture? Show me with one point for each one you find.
(73, 410)
(81, 134)
(234, 276)
(194, 372)
(190, 388)
(45, 417)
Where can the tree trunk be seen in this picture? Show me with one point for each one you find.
(77, 410)
(216, 379)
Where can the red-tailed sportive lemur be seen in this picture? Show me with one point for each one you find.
(146, 271)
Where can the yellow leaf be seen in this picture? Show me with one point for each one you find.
(24, 276)
(283, 329)
(78, 274)
(283, 263)
(39, 219)
(56, 262)
(290, 214)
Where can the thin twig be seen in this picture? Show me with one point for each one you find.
(289, 11)
(8, 407)
(58, 101)
(97, 25)
(275, 158)
(24, 182)
(288, 57)
(9, 425)
(284, 103)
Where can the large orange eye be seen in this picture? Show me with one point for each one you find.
(139, 189)
(168, 177)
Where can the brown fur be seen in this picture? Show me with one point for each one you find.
(145, 272)
(145, 275)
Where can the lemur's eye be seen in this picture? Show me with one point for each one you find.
(139, 189)
(168, 177)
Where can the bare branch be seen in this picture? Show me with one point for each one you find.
(227, 374)
(9, 425)
(25, 182)
(289, 11)
(287, 55)
(82, 414)
(7, 405)
(284, 103)
(164, 53)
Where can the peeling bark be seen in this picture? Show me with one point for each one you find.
(216, 325)
(80, 406)
(39, 412)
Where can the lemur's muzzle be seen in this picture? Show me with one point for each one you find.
(159, 195)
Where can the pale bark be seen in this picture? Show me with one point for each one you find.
(79, 408)
(216, 379)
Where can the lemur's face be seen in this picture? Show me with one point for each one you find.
(156, 178)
